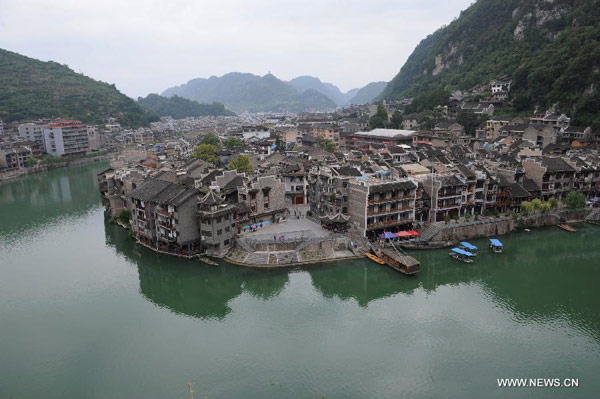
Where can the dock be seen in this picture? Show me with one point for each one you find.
(566, 227)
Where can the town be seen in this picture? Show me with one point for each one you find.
(279, 189)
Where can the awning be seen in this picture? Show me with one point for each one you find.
(387, 234)
(414, 233)
(403, 234)
(461, 252)
(495, 242)
(468, 245)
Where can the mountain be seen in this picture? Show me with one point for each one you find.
(302, 83)
(247, 92)
(179, 107)
(31, 89)
(367, 94)
(550, 48)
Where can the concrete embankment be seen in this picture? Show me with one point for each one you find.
(499, 226)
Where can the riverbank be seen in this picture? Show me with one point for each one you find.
(14, 174)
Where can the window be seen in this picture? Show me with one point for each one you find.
(227, 229)
(219, 232)
(219, 219)
(226, 242)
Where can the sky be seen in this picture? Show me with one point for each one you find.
(146, 46)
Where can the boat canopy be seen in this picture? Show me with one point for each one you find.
(461, 252)
(403, 234)
(495, 242)
(468, 245)
(388, 234)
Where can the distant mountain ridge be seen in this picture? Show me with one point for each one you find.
(551, 49)
(179, 107)
(32, 89)
(247, 92)
(367, 94)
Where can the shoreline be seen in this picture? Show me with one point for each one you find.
(11, 176)
(518, 228)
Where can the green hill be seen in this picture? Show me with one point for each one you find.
(179, 107)
(246, 92)
(550, 48)
(31, 89)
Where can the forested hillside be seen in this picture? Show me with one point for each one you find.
(550, 48)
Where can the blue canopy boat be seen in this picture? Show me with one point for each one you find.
(467, 246)
(496, 245)
(461, 255)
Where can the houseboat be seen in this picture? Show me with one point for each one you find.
(461, 255)
(467, 246)
(495, 245)
(396, 260)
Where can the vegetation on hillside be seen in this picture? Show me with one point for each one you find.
(32, 89)
(179, 107)
(551, 49)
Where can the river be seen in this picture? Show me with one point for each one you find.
(85, 313)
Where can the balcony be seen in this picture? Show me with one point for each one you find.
(389, 223)
(394, 198)
(164, 213)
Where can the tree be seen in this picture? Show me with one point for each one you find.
(124, 216)
(31, 161)
(211, 138)
(326, 145)
(468, 120)
(396, 120)
(553, 203)
(545, 207)
(380, 119)
(242, 164)
(575, 200)
(206, 152)
(537, 204)
(233, 143)
(526, 207)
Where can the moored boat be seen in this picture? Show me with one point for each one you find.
(461, 255)
(374, 258)
(403, 263)
(496, 246)
(467, 246)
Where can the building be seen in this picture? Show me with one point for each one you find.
(264, 196)
(554, 175)
(296, 185)
(32, 132)
(1, 128)
(66, 137)
(376, 205)
(446, 193)
(387, 137)
(217, 224)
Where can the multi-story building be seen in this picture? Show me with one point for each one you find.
(296, 185)
(264, 197)
(329, 189)
(66, 137)
(446, 194)
(553, 175)
(376, 205)
(217, 224)
(32, 132)
(14, 158)
(1, 128)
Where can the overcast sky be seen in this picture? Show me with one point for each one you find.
(146, 46)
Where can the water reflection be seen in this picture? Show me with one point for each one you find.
(34, 201)
(523, 281)
(190, 287)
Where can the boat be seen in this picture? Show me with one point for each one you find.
(375, 258)
(495, 245)
(461, 255)
(402, 263)
(207, 260)
(566, 227)
(467, 246)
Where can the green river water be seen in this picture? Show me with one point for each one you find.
(85, 313)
